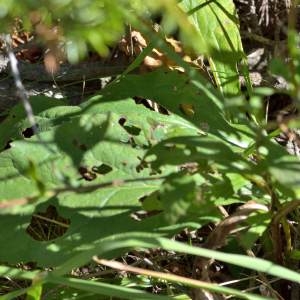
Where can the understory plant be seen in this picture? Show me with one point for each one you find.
(111, 176)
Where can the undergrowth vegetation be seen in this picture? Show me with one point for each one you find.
(192, 200)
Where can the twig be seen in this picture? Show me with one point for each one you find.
(172, 278)
(18, 83)
(257, 287)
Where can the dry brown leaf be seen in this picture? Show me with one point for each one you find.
(135, 43)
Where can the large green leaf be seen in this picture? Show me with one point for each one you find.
(109, 138)
(218, 26)
(116, 139)
(175, 92)
(190, 99)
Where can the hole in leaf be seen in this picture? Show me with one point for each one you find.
(48, 225)
(131, 129)
(142, 165)
(122, 121)
(102, 169)
(152, 105)
(28, 132)
(87, 174)
(143, 101)
(190, 167)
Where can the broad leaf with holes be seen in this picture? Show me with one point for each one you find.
(94, 167)
(81, 180)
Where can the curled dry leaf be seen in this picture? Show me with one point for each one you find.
(135, 43)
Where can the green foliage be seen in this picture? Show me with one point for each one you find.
(218, 27)
(109, 175)
(144, 149)
(83, 138)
